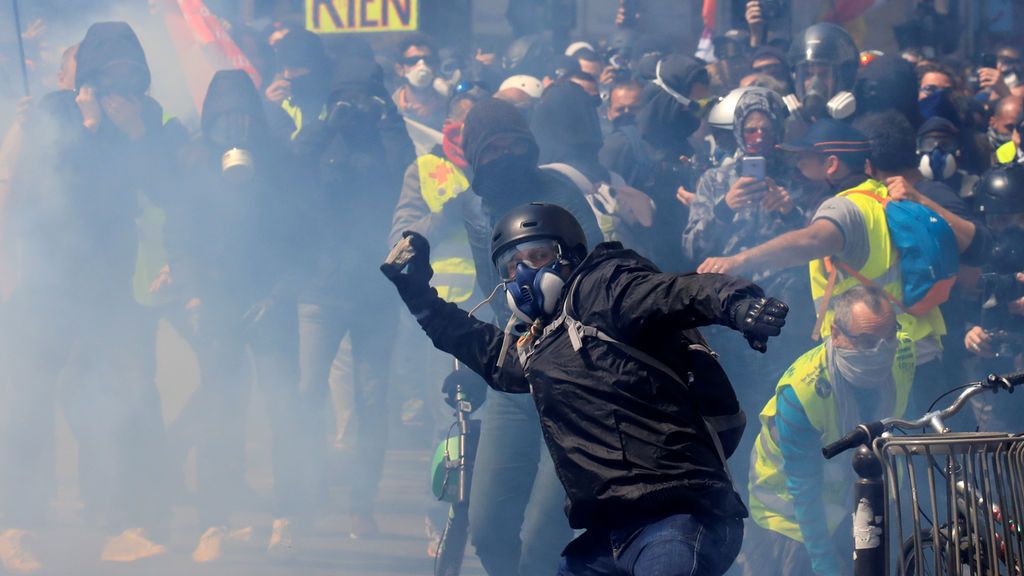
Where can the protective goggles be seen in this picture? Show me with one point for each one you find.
(534, 253)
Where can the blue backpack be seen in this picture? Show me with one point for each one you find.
(928, 254)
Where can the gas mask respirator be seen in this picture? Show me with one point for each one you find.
(938, 160)
(533, 286)
(237, 165)
(533, 292)
(817, 103)
(420, 75)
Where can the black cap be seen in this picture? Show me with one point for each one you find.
(937, 124)
(828, 136)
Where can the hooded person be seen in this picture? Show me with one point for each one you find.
(231, 235)
(733, 211)
(569, 134)
(669, 116)
(352, 160)
(87, 156)
(302, 80)
(502, 157)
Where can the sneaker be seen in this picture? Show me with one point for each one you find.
(16, 552)
(129, 546)
(281, 541)
(363, 526)
(213, 542)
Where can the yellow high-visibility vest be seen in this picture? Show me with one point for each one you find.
(771, 504)
(882, 267)
(454, 270)
(295, 113)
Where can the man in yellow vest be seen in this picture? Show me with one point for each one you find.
(862, 372)
(848, 232)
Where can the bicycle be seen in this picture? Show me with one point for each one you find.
(452, 480)
(980, 532)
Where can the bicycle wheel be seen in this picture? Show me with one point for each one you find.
(452, 548)
(925, 565)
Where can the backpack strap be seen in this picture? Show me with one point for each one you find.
(833, 267)
(578, 330)
(869, 194)
(578, 178)
(826, 297)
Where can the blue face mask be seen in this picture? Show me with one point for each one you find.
(939, 103)
(533, 292)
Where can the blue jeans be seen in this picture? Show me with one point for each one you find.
(679, 545)
(516, 510)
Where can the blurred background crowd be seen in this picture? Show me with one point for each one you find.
(220, 180)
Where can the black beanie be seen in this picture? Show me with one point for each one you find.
(489, 120)
(300, 49)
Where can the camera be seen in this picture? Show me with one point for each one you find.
(1000, 287)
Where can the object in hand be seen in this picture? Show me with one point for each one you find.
(753, 167)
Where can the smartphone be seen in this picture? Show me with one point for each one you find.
(753, 167)
(989, 61)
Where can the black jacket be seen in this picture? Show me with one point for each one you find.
(628, 442)
(234, 244)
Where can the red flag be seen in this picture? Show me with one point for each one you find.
(203, 45)
(708, 13)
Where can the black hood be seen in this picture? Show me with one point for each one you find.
(491, 119)
(107, 44)
(231, 91)
(358, 74)
(664, 122)
(300, 49)
(567, 128)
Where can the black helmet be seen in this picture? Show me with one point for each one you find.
(535, 221)
(1000, 191)
(530, 55)
(826, 43)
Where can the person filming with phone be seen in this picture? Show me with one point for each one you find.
(740, 205)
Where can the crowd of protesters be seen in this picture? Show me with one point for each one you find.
(256, 233)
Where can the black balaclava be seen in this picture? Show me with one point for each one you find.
(568, 130)
(358, 100)
(509, 174)
(304, 49)
(233, 91)
(664, 122)
(109, 45)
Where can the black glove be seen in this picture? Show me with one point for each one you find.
(473, 387)
(758, 319)
(408, 268)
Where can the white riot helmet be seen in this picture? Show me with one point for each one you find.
(575, 47)
(532, 86)
(722, 114)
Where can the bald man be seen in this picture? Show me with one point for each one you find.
(1002, 126)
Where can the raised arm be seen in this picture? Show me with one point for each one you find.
(819, 239)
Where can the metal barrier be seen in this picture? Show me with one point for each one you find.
(955, 503)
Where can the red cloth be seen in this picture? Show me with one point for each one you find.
(452, 143)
